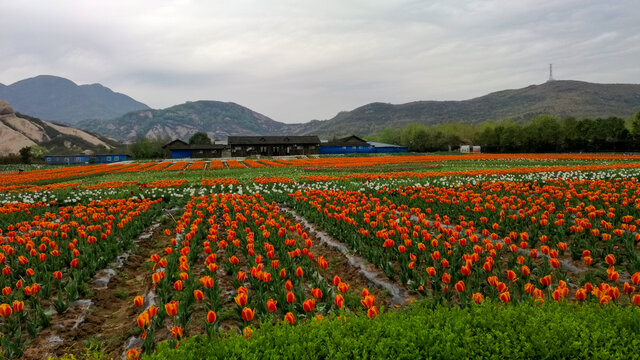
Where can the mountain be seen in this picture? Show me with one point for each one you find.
(217, 119)
(58, 99)
(560, 99)
(18, 131)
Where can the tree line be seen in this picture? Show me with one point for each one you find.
(542, 134)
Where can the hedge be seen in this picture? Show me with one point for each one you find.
(425, 331)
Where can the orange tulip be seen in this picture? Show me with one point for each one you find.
(636, 300)
(368, 301)
(241, 299)
(581, 294)
(247, 314)
(316, 293)
(198, 294)
(271, 305)
(176, 331)
(309, 305)
(446, 278)
(372, 312)
(138, 301)
(431, 271)
(289, 318)
(143, 320)
(339, 301)
(343, 287)
(635, 278)
(478, 298)
(17, 306)
(505, 297)
(460, 286)
(206, 281)
(171, 308)
(178, 286)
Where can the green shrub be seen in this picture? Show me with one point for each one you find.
(427, 331)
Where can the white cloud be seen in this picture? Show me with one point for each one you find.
(296, 61)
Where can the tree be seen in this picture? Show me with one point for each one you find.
(146, 149)
(635, 125)
(25, 154)
(200, 138)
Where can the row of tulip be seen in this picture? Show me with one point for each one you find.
(506, 240)
(244, 246)
(331, 163)
(48, 260)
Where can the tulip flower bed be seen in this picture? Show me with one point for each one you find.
(505, 240)
(48, 259)
(237, 255)
(274, 276)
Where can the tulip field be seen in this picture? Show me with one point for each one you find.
(169, 259)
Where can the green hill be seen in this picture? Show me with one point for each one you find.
(217, 119)
(58, 99)
(559, 99)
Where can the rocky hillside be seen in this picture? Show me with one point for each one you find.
(18, 131)
(58, 99)
(557, 98)
(217, 119)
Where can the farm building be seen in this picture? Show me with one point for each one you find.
(273, 145)
(180, 149)
(354, 145)
(84, 159)
(387, 148)
(348, 145)
(67, 159)
(470, 148)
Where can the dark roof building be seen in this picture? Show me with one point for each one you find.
(354, 144)
(347, 145)
(273, 145)
(180, 149)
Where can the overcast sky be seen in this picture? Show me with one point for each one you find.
(299, 60)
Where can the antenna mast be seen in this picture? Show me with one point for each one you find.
(551, 73)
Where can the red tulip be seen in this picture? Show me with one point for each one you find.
(271, 305)
(211, 317)
(17, 306)
(316, 293)
(247, 314)
(610, 259)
